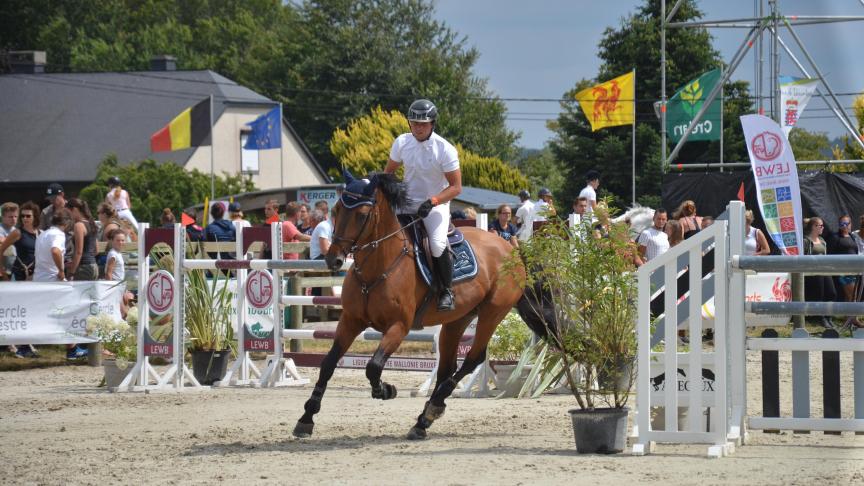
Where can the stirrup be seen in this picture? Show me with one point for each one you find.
(446, 301)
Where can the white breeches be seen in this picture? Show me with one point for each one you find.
(128, 216)
(436, 227)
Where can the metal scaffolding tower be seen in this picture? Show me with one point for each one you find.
(757, 27)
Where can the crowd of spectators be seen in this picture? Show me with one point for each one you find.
(59, 243)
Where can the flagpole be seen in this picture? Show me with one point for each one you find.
(281, 149)
(633, 137)
(212, 149)
(722, 100)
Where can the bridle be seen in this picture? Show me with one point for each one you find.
(364, 200)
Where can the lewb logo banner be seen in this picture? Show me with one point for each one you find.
(777, 186)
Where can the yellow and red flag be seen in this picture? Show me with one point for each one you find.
(611, 103)
(191, 128)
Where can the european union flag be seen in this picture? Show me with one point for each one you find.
(266, 132)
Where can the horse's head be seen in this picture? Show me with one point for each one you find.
(361, 203)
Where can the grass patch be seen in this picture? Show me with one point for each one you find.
(49, 356)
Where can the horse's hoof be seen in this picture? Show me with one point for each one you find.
(384, 392)
(416, 433)
(302, 431)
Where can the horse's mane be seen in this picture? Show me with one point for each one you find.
(391, 187)
(640, 218)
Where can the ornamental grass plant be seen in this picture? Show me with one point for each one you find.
(587, 272)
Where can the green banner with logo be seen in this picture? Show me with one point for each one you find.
(683, 107)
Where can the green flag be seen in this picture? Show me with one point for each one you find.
(683, 107)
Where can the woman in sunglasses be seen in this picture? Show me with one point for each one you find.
(24, 238)
(844, 244)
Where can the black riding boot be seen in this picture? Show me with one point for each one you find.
(444, 269)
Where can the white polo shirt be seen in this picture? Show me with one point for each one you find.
(525, 217)
(45, 270)
(591, 195)
(324, 229)
(656, 242)
(425, 164)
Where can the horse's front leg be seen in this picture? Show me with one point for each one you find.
(345, 335)
(390, 342)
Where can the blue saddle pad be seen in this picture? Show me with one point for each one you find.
(464, 260)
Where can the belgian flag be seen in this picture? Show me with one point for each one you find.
(191, 128)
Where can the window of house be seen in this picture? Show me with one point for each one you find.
(248, 158)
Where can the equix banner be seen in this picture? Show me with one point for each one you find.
(54, 312)
(776, 178)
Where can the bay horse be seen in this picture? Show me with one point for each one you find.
(383, 290)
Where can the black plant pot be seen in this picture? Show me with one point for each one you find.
(600, 431)
(210, 366)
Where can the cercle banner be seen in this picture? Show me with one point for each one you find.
(54, 312)
(776, 177)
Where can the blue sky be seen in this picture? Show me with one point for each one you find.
(540, 48)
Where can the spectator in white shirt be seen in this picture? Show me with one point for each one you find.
(590, 191)
(654, 241)
(50, 248)
(524, 221)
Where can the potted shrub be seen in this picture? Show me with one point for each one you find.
(118, 338)
(586, 275)
(208, 322)
(507, 345)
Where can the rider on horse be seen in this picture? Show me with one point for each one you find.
(433, 179)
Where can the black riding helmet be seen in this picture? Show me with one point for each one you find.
(423, 111)
(113, 181)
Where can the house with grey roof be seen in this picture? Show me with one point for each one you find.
(58, 127)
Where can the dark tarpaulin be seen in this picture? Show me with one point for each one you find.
(823, 194)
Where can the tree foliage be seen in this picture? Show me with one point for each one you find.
(154, 186)
(635, 44)
(328, 61)
(542, 170)
(807, 145)
(364, 146)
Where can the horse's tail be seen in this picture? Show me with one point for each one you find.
(538, 310)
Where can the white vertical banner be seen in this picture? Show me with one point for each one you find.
(776, 178)
(794, 95)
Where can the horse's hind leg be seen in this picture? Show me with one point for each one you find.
(390, 342)
(345, 334)
(448, 344)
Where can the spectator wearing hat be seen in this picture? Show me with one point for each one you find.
(120, 200)
(55, 195)
(545, 206)
(592, 179)
(524, 223)
(235, 213)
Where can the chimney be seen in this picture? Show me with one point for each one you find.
(163, 62)
(27, 62)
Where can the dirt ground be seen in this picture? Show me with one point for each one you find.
(58, 427)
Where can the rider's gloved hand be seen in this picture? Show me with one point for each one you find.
(425, 208)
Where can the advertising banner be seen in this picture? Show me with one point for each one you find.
(776, 178)
(54, 312)
(683, 107)
(760, 287)
(794, 95)
(311, 196)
